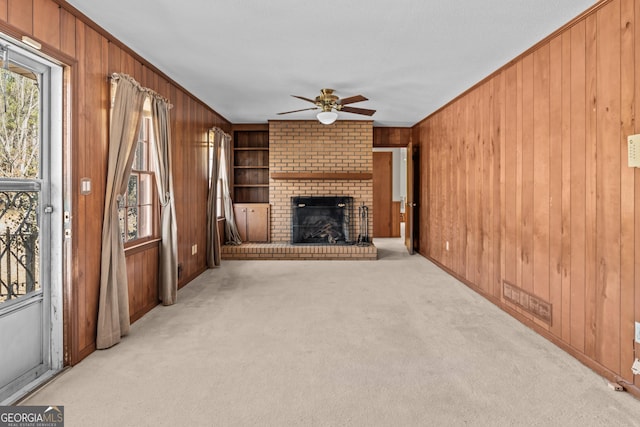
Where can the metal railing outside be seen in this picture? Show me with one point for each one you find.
(19, 244)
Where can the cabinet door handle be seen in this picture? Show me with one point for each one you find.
(252, 210)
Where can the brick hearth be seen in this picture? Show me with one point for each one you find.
(286, 251)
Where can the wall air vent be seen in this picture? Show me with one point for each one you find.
(526, 301)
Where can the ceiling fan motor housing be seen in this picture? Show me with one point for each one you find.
(327, 100)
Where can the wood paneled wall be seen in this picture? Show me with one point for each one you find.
(391, 137)
(526, 177)
(90, 55)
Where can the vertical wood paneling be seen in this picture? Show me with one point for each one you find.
(636, 104)
(82, 342)
(94, 154)
(128, 64)
(20, 15)
(178, 181)
(114, 58)
(391, 136)
(607, 309)
(550, 204)
(484, 265)
(578, 185)
(151, 275)
(540, 166)
(446, 189)
(138, 72)
(527, 188)
(472, 221)
(519, 160)
(555, 183)
(422, 185)
(452, 161)
(627, 245)
(67, 33)
(3, 9)
(566, 189)
(191, 180)
(432, 195)
(590, 187)
(460, 250)
(142, 276)
(497, 168)
(202, 182)
(46, 22)
(133, 273)
(511, 172)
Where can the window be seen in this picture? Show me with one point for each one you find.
(220, 201)
(221, 169)
(138, 212)
(219, 205)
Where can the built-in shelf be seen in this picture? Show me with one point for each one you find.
(251, 165)
(355, 176)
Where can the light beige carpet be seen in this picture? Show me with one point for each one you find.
(393, 342)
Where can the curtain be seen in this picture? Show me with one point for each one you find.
(168, 268)
(213, 240)
(231, 234)
(113, 305)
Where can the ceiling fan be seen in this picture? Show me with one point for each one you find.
(327, 102)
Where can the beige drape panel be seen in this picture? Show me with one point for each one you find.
(231, 234)
(168, 274)
(213, 239)
(113, 308)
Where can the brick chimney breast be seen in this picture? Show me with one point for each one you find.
(307, 146)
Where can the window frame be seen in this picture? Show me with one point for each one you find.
(145, 137)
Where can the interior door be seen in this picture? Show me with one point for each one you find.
(28, 279)
(410, 203)
(382, 193)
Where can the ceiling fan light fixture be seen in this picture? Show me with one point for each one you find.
(327, 117)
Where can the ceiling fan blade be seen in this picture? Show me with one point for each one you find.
(352, 99)
(304, 99)
(295, 111)
(362, 111)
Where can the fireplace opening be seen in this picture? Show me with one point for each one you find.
(322, 220)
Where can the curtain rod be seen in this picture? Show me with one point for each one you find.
(217, 129)
(150, 92)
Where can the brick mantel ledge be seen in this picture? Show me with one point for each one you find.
(322, 175)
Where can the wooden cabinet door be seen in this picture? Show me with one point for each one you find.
(240, 213)
(252, 220)
(258, 223)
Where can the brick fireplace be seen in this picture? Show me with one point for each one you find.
(307, 158)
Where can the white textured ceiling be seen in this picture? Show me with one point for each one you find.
(244, 58)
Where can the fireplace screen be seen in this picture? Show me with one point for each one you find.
(322, 220)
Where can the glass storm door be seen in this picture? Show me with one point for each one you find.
(26, 209)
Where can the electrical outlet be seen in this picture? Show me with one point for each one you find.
(638, 332)
(635, 368)
(633, 148)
